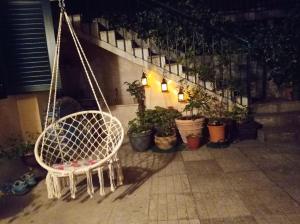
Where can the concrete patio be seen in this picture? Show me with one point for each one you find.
(249, 182)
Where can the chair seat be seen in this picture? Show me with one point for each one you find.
(68, 166)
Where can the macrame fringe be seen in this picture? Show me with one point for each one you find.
(120, 176)
(101, 181)
(111, 176)
(53, 186)
(89, 183)
(72, 183)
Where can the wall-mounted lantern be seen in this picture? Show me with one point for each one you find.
(180, 95)
(164, 85)
(144, 79)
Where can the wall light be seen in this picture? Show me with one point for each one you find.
(144, 79)
(180, 95)
(164, 85)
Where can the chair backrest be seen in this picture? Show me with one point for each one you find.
(79, 136)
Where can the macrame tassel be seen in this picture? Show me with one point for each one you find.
(57, 186)
(89, 183)
(111, 176)
(101, 181)
(50, 186)
(120, 176)
(53, 186)
(72, 184)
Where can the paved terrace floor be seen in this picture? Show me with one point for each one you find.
(247, 183)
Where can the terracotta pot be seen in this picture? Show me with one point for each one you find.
(216, 133)
(193, 142)
(165, 143)
(189, 127)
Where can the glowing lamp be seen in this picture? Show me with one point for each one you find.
(164, 85)
(180, 95)
(144, 79)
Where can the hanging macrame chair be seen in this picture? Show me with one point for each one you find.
(81, 143)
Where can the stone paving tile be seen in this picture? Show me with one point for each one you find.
(249, 180)
(172, 168)
(163, 207)
(235, 163)
(235, 220)
(272, 201)
(198, 155)
(271, 161)
(278, 219)
(170, 184)
(221, 153)
(209, 183)
(218, 205)
(202, 167)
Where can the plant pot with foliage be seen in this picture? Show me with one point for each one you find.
(196, 108)
(193, 141)
(140, 135)
(216, 130)
(163, 120)
(139, 130)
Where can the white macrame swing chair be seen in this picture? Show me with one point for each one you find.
(81, 143)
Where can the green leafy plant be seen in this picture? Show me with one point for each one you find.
(136, 89)
(197, 103)
(137, 126)
(163, 120)
(238, 113)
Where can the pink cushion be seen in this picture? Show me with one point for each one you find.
(74, 164)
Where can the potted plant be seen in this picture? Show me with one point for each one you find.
(246, 127)
(139, 130)
(193, 141)
(216, 124)
(165, 128)
(197, 106)
(140, 135)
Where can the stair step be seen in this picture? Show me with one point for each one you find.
(175, 68)
(108, 36)
(94, 26)
(159, 60)
(277, 107)
(280, 135)
(125, 45)
(141, 52)
(278, 119)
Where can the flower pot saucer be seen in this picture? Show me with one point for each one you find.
(218, 145)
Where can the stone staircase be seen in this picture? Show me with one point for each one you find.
(127, 44)
(280, 120)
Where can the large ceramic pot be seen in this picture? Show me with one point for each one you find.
(216, 133)
(189, 127)
(165, 143)
(141, 141)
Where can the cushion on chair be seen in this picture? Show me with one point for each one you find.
(74, 164)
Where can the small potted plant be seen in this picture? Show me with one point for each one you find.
(216, 124)
(165, 127)
(140, 135)
(197, 106)
(193, 141)
(246, 127)
(139, 130)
